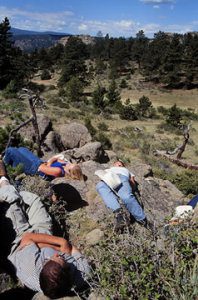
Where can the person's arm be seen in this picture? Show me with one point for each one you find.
(46, 240)
(59, 158)
(56, 172)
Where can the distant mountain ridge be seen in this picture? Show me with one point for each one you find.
(17, 31)
(28, 40)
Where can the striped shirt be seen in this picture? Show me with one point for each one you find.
(29, 262)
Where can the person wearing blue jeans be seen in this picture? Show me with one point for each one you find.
(31, 164)
(124, 192)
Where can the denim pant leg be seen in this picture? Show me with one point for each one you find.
(108, 196)
(12, 157)
(30, 161)
(193, 202)
(38, 217)
(125, 193)
(15, 156)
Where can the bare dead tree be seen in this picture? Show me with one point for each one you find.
(179, 151)
(177, 161)
(181, 148)
(16, 129)
(34, 100)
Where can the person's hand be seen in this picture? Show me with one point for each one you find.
(24, 242)
(74, 250)
(66, 247)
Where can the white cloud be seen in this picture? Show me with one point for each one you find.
(82, 27)
(157, 1)
(156, 6)
(36, 21)
(67, 22)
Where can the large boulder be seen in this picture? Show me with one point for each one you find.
(44, 125)
(74, 135)
(53, 143)
(159, 198)
(90, 151)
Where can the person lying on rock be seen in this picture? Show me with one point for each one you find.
(183, 212)
(123, 190)
(31, 164)
(43, 262)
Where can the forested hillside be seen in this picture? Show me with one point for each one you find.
(137, 100)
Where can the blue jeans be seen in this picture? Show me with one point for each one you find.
(193, 202)
(124, 192)
(15, 156)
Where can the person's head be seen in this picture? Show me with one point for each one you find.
(75, 171)
(118, 163)
(55, 278)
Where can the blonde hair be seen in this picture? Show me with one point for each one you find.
(76, 173)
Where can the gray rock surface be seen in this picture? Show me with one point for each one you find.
(74, 135)
(44, 124)
(94, 237)
(53, 142)
(90, 151)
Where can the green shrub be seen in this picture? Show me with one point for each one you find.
(103, 126)
(131, 266)
(45, 75)
(104, 140)
(90, 127)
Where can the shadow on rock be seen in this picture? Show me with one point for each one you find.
(8, 235)
(17, 293)
(70, 195)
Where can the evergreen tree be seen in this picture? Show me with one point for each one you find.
(113, 96)
(144, 106)
(13, 64)
(6, 54)
(139, 48)
(98, 98)
(174, 116)
(74, 89)
(73, 63)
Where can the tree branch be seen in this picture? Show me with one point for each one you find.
(176, 161)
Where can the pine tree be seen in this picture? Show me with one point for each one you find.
(73, 63)
(113, 96)
(6, 52)
(13, 64)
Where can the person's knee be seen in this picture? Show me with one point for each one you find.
(100, 185)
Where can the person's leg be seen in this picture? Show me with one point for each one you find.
(12, 157)
(38, 217)
(125, 193)
(15, 213)
(107, 196)
(193, 202)
(30, 161)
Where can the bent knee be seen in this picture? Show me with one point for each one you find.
(100, 185)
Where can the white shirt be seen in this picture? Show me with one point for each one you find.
(122, 171)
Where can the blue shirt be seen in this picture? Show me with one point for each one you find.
(55, 164)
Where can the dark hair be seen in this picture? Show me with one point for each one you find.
(55, 280)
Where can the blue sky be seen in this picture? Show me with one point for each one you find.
(115, 17)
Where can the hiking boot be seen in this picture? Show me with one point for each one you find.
(2, 169)
(120, 221)
(148, 225)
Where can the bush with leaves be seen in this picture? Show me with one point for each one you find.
(45, 75)
(128, 112)
(134, 266)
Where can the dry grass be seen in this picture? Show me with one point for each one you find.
(183, 98)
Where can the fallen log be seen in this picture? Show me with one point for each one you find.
(176, 161)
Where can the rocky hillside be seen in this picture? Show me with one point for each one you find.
(90, 226)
